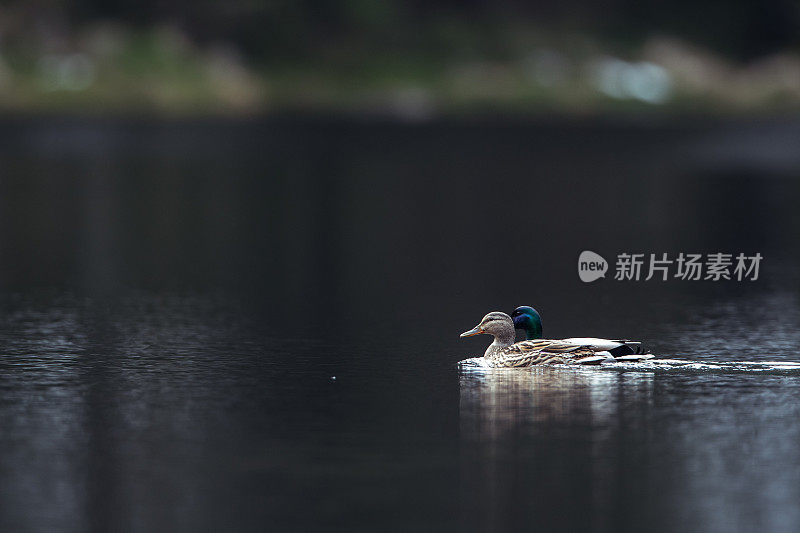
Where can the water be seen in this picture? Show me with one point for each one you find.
(177, 299)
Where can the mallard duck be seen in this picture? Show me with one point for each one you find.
(503, 352)
(528, 320)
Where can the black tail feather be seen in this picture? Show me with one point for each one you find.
(627, 349)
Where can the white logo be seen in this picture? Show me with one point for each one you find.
(591, 266)
(716, 266)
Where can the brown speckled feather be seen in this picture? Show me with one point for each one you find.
(541, 352)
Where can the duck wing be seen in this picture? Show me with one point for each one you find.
(617, 348)
(543, 352)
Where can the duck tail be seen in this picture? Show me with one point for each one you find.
(627, 347)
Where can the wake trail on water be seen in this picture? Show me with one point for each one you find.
(668, 364)
(679, 364)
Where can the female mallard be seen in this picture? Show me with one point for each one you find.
(528, 319)
(504, 353)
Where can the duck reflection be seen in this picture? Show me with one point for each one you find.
(545, 436)
(494, 402)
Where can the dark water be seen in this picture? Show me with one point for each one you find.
(177, 298)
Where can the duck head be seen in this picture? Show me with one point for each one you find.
(527, 319)
(497, 324)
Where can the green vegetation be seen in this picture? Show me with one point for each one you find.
(452, 67)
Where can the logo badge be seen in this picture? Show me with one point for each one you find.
(591, 266)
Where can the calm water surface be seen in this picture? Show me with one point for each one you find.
(177, 300)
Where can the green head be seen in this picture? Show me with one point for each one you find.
(527, 319)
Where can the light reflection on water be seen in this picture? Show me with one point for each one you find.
(499, 398)
(100, 404)
(706, 450)
(160, 411)
(221, 274)
(556, 418)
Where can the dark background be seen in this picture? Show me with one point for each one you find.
(280, 30)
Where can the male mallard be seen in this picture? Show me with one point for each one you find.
(528, 319)
(503, 352)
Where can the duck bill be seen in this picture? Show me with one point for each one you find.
(474, 331)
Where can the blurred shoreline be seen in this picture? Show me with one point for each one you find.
(108, 70)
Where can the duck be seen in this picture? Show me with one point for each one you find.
(505, 353)
(529, 320)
